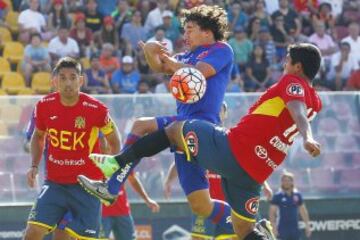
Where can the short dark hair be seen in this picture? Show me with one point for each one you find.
(67, 62)
(35, 34)
(308, 55)
(213, 18)
(344, 44)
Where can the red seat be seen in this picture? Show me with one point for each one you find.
(329, 126)
(346, 143)
(323, 180)
(334, 160)
(356, 160)
(350, 179)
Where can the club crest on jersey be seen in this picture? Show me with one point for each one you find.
(79, 122)
(252, 205)
(192, 143)
(295, 89)
(202, 55)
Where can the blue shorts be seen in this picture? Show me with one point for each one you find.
(122, 227)
(191, 176)
(207, 145)
(55, 200)
(204, 228)
(65, 221)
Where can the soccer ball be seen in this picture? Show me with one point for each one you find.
(188, 85)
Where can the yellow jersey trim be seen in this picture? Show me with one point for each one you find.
(252, 220)
(187, 152)
(108, 128)
(50, 228)
(94, 135)
(203, 236)
(271, 107)
(79, 237)
(225, 236)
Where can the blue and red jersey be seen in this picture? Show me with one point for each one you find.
(220, 56)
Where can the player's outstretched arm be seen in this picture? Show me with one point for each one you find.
(297, 111)
(37, 144)
(114, 141)
(152, 51)
(305, 217)
(273, 210)
(139, 188)
(171, 175)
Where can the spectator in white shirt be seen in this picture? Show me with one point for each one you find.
(30, 21)
(354, 40)
(154, 18)
(342, 64)
(160, 37)
(323, 40)
(62, 45)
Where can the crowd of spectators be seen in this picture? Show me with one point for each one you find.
(104, 34)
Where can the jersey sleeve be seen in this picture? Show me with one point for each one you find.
(219, 57)
(39, 117)
(106, 124)
(291, 89)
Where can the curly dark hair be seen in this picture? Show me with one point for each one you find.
(213, 18)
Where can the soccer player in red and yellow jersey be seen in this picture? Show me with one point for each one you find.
(247, 154)
(71, 122)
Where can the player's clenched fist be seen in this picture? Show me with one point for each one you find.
(31, 176)
(312, 147)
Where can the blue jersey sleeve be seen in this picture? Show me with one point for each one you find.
(220, 55)
(30, 127)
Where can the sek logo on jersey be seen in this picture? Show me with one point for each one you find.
(252, 205)
(295, 89)
(192, 143)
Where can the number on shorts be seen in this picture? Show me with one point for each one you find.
(43, 190)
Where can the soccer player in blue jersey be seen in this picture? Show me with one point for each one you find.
(288, 204)
(204, 31)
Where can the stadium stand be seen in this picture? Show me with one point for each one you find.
(13, 52)
(12, 82)
(4, 66)
(41, 83)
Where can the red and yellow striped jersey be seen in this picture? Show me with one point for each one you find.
(262, 137)
(72, 134)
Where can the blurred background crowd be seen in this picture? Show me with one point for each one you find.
(104, 34)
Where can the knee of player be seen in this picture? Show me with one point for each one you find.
(200, 208)
(242, 227)
(174, 133)
(141, 126)
(34, 232)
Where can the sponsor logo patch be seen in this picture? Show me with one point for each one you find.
(295, 89)
(192, 143)
(261, 152)
(252, 205)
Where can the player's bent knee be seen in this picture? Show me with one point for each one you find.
(144, 125)
(242, 227)
(174, 133)
(200, 209)
(34, 232)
